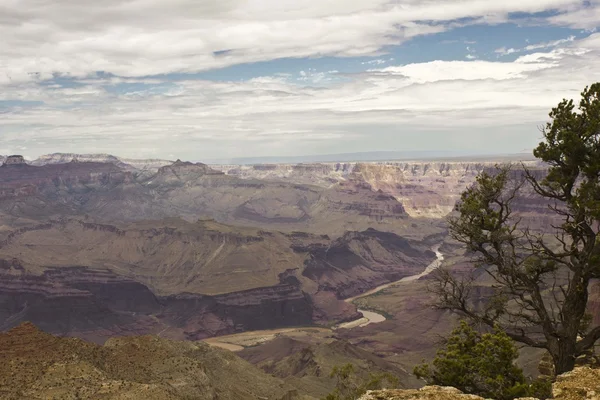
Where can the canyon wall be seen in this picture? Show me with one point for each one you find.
(191, 280)
(94, 247)
(425, 189)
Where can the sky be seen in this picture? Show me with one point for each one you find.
(206, 79)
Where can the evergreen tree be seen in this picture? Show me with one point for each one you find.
(540, 280)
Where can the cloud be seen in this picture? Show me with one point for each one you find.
(152, 37)
(465, 70)
(503, 51)
(378, 61)
(584, 14)
(312, 76)
(553, 43)
(98, 77)
(447, 104)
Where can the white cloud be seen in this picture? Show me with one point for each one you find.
(377, 61)
(465, 70)
(553, 43)
(584, 14)
(545, 45)
(446, 104)
(150, 37)
(504, 51)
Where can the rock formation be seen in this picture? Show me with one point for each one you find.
(426, 189)
(37, 365)
(190, 191)
(583, 383)
(426, 393)
(96, 246)
(308, 366)
(145, 166)
(14, 160)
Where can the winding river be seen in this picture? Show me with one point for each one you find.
(239, 341)
(370, 317)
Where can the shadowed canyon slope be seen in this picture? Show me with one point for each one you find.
(196, 280)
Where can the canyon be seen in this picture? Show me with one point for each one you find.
(211, 250)
(94, 249)
(252, 258)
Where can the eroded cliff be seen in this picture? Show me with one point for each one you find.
(426, 189)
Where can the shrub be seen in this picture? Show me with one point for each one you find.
(481, 364)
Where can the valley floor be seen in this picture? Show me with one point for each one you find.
(239, 341)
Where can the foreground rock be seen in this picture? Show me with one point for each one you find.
(426, 393)
(579, 384)
(583, 383)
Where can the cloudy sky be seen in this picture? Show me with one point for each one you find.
(203, 79)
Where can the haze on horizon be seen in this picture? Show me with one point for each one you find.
(227, 79)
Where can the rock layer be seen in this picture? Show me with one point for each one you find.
(426, 189)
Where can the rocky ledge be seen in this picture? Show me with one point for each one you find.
(583, 383)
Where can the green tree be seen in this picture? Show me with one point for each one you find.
(540, 280)
(349, 386)
(480, 364)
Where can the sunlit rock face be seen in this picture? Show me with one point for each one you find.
(37, 365)
(426, 189)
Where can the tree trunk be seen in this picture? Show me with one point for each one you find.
(564, 360)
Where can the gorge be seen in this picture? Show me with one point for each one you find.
(238, 342)
(94, 246)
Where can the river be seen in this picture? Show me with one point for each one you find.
(370, 317)
(239, 341)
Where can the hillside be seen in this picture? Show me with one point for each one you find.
(36, 365)
(307, 366)
(192, 280)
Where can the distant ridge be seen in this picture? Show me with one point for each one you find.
(374, 157)
(378, 156)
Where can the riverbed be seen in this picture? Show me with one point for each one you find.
(370, 317)
(239, 341)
